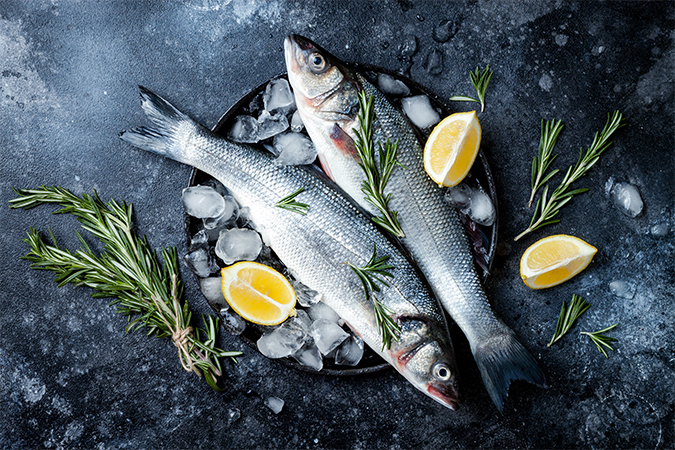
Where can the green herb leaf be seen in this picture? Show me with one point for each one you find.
(128, 271)
(289, 203)
(480, 80)
(568, 315)
(601, 340)
(372, 276)
(541, 163)
(548, 207)
(377, 176)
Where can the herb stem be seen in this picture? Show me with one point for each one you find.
(480, 80)
(568, 315)
(601, 340)
(541, 163)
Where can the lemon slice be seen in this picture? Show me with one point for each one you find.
(553, 260)
(258, 293)
(452, 148)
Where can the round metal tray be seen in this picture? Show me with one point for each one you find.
(480, 173)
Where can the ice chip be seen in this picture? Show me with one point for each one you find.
(350, 352)
(278, 96)
(233, 415)
(275, 404)
(306, 297)
(327, 335)
(238, 244)
(309, 356)
(228, 217)
(245, 129)
(296, 122)
(458, 196)
(445, 30)
(294, 149)
(212, 288)
(321, 310)
(392, 86)
(232, 322)
(622, 288)
(434, 64)
(409, 46)
(660, 229)
(627, 198)
(481, 210)
(199, 240)
(420, 112)
(202, 201)
(286, 339)
(200, 262)
(271, 125)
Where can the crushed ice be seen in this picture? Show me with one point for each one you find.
(238, 244)
(275, 404)
(474, 202)
(294, 149)
(420, 112)
(627, 198)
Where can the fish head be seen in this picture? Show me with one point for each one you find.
(324, 88)
(428, 361)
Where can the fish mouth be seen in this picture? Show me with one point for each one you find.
(445, 395)
(294, 46)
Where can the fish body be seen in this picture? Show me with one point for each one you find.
(326, 94)
(316, 247)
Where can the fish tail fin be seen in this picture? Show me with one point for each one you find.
(169, 130)
(502, 361)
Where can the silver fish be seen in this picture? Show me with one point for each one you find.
(326, 93)
(316, 247)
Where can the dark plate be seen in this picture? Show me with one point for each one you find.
(480, 173)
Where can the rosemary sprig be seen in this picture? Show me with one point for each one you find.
(371, 276)
(289, 203)
(480, 80)
(541, 162)
(601, 340)
(568, 315)
(548, 207)
(377, 176)
(128, 271)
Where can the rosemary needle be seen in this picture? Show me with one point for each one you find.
(290, 204)
(568, 315)
(541, 162)
(600, 340)
(371, 275)
(480, 80)
(128, 271)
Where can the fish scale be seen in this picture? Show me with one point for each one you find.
(316, 247)
(434, 235)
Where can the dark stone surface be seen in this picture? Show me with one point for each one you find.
(70, 377)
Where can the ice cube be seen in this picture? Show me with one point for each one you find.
(270, 125)
(233, 415)
(199, 240)
(200, 262)
(286, 339)
(212, 288)
(660, 229)
(278, 96)
(310, 356)
(244, 129)
(392, 86)
(458, 196)
(350, 352)
(305, 296)
(321, 310)
(627, 198)
(294, 149)
(228, 217)
(409, 46)
(275, 404)
(434, 63)
(244, 220)
(420, 112)
(233, 323)
(202, 201)
(238, 244)
(327, 335)
(296, 122)
(622, 288)
(481, 210)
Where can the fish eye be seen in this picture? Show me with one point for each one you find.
(442, 372)
(317, 63)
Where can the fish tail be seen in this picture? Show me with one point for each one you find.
(502, 361)
(170, 127)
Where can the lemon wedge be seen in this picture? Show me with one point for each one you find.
(452, 147)
(554, 260)
(258, 293)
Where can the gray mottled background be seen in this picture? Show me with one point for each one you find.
(70, 376)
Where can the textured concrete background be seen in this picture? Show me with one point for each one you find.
(70, 377)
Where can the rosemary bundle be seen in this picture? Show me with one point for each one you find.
(128, 271)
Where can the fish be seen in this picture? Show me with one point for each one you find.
(318, 246)
(326, 94)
